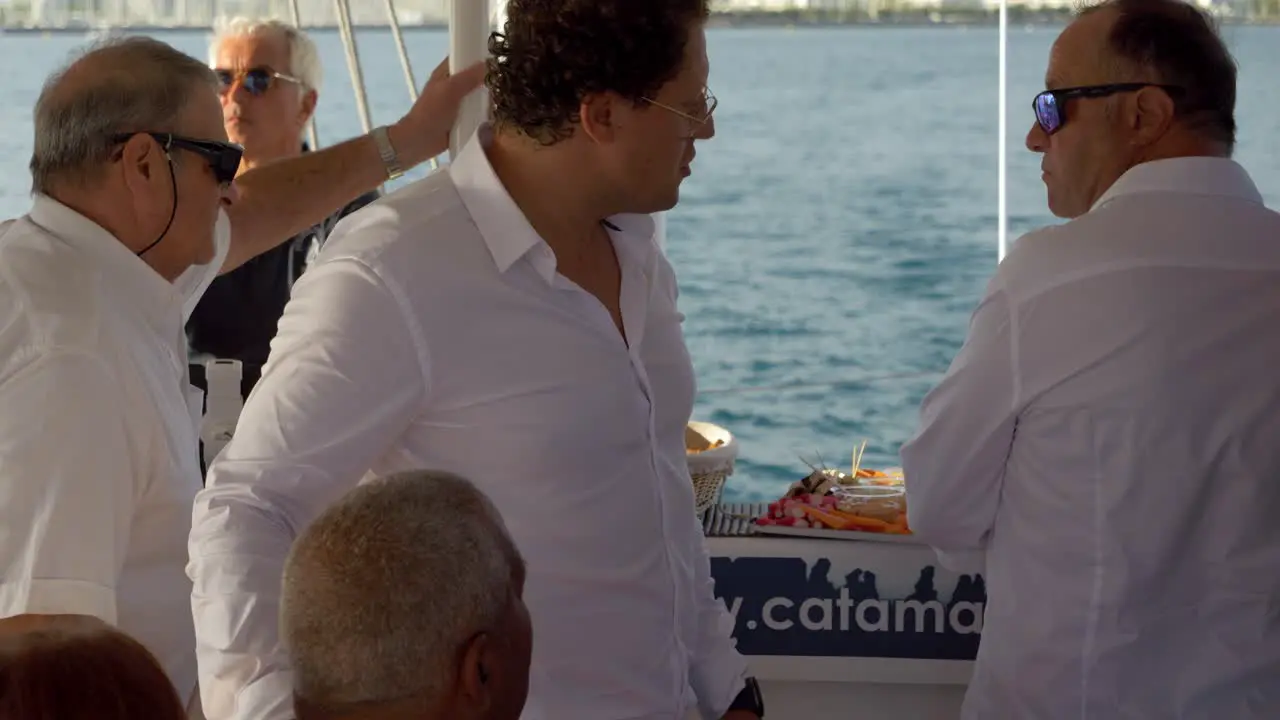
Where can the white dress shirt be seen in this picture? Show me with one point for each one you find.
(435, 332)
(98, 466)
(1109, 433)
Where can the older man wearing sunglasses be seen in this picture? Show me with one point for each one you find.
(269, 75)
(135, 211)
(1107, 433)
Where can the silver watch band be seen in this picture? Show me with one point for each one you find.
(388, 152)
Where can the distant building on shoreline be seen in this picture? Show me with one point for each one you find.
(85, 15)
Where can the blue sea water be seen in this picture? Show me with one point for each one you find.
(834, 236)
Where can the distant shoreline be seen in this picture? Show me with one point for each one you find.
(889, 17)
(89, 29)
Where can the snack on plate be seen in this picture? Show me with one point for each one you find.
(816, 483)
(837, 511)
(888, 478)
(881, 503)
(696, 442)
(822, 481)
(863, 499)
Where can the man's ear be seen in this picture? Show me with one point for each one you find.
(145, 166)
(475, 672)
(309, 99)
(1151, 112)
(141, 158)
(599, 117)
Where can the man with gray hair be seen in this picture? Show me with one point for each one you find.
(135, 212)
(405, 600)
(269, 77)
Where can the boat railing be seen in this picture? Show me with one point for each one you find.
(342, 9)
(223, 398)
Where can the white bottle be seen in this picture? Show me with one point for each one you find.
(222, 406)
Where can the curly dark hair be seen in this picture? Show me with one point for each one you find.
(552, 53)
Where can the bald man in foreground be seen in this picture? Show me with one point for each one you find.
(392, 642)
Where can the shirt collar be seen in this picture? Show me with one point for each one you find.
(154, 298)
(506, 231)
(1185, 175)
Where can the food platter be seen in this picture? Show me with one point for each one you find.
(862, 504)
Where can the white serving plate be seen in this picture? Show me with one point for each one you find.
(828, 534)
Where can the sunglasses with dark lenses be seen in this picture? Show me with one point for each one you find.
(255, 81)
(1050, 105)
(223, 157)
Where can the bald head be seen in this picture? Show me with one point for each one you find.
(1169, 42)
(1081, 55)
(122, 85)
(1130, 82)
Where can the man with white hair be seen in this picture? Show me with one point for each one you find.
(137, 206)
(405, 600)
(269, 76)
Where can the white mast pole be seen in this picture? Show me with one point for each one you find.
(468, 43)
(1002, 124)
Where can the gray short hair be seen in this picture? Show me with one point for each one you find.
(381, 591)
(304, 58)
(118, 85)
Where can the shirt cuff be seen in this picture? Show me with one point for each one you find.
(716, 690)
(269, 697)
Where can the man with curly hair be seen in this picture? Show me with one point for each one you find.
(533, 344)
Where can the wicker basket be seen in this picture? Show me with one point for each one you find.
(711, 468)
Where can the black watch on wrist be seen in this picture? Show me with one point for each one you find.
(749, 699)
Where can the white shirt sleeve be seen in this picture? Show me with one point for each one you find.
(718, 671)
(344, 379)
(67, 488)
(955, 464)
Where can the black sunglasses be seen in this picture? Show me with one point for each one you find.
(223, 157)
(1049, 105)
(255, 81)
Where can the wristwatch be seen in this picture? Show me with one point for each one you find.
(749, 699)
(388, 153)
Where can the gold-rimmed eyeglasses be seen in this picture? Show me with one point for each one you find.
(696, 118)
